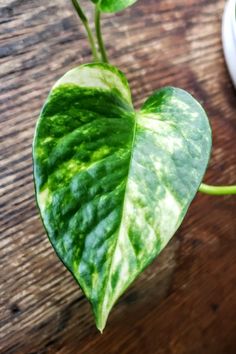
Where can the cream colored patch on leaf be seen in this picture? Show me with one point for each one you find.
(154, 122)
(170, 216)
(164, 129)
(96, 77)
(180, 104)
(44, 198)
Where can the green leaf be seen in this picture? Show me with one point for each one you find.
(113, 5)
(114, 185)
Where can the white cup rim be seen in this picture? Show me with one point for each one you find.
(229, 37)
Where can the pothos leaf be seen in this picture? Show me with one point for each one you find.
(114, 185)
(113, 5)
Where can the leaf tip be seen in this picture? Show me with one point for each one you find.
(101, 316)
(100, 324)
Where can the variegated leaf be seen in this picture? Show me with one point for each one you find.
(114, 185)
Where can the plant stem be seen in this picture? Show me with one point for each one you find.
(217, 190)
(87, 28)
(99, 35)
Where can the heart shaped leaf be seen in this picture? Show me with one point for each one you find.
(113, 185)
(113, 5)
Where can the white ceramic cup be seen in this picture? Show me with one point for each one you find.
(229, 37)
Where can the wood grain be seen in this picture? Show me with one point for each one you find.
(185, 302)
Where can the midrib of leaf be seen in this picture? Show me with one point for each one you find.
(101, 319)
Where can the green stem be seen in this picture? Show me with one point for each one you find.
(87, 28)
(217, 190)
(99, 35)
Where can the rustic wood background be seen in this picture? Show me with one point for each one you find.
(185, 302)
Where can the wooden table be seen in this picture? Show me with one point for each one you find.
(185, 302)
